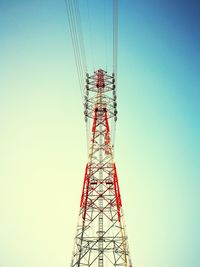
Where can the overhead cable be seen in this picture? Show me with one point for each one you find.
(77, 40)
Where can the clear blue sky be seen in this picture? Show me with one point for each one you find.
(42, 132)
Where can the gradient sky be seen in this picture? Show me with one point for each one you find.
(42, 135)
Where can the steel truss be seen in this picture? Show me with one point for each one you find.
(101, 238)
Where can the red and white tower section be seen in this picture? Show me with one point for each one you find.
(101, 239)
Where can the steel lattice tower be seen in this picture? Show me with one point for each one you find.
(101, 238)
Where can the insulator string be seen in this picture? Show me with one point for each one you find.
(115, 53)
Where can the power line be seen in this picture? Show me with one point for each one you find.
(115, 36)
(75, 25)
(77, 40)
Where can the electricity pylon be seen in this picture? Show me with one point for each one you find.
(101, 238)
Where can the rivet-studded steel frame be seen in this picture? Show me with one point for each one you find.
(101, 238)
